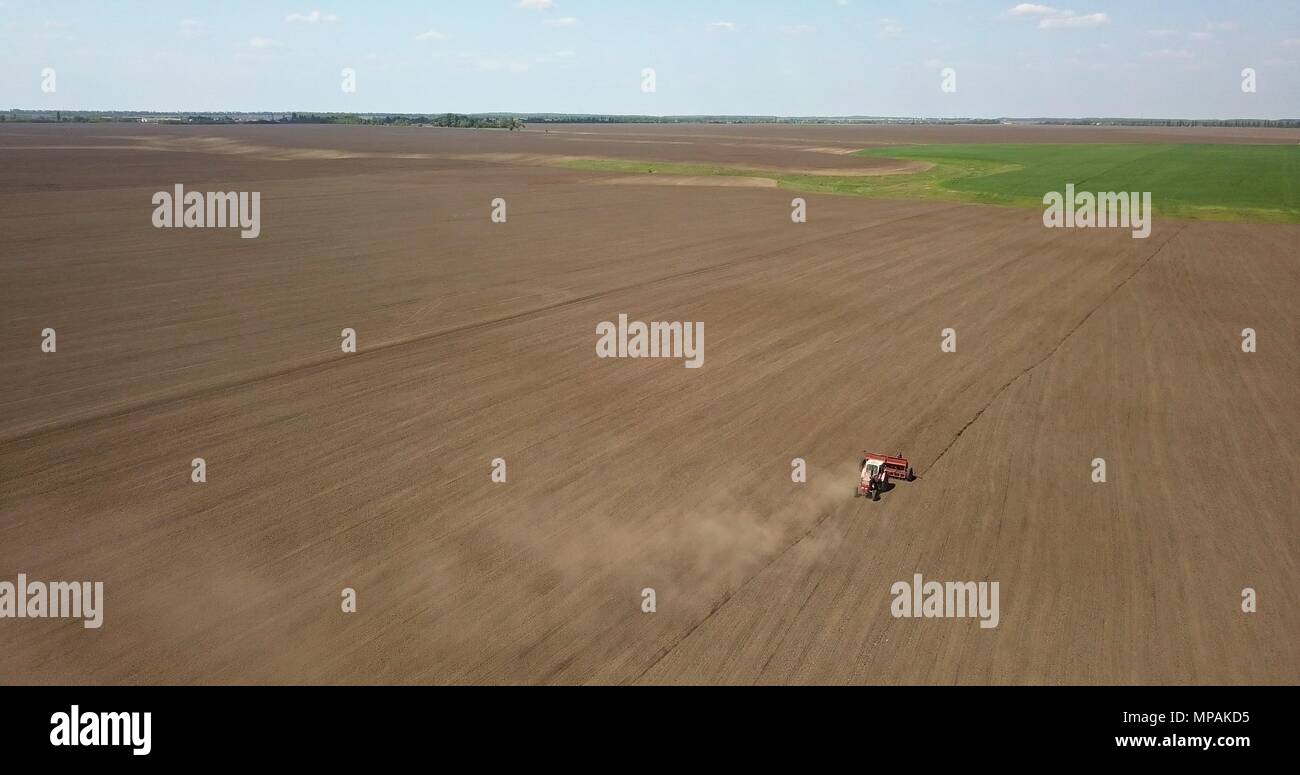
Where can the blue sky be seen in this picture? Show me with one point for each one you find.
(1152, 58)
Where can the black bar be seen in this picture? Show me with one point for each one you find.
(207, 725)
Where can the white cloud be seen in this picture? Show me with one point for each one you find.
(728, 26)
(314, 17)
(1072, 22)
(1291, 43)
(1162, 33)
(1050, 18)
(191, 27)
(799, 29)
(889, 29)
(535, 5)
(563, 21)
(1199, 36)
(263, 43)
(431, 35)
(1030, 9)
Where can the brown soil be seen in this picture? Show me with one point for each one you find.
(477, 341)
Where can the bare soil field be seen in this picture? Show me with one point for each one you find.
(476, 341)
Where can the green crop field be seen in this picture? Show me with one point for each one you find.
(1214, 182)
(1228, 182)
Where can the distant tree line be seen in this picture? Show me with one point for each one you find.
(1284, 123)
(513, 121)
(564, 118)
(476, 122)
(444, 120)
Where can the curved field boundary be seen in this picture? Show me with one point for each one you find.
(1253, 183)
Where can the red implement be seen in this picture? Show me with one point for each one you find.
(877, 470)
(896, 467)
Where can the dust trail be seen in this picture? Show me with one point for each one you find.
(714, 543)
(806, 529)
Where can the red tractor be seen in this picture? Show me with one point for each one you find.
(877, 470)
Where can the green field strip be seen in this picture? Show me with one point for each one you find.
(1256, 183)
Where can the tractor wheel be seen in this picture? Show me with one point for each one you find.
(875, 495)
(911, 475)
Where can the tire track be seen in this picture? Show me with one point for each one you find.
(727, 598)
(1054, 350)
(721, 604)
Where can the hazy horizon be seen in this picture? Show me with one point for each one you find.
(825, 58)
(566, 114)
